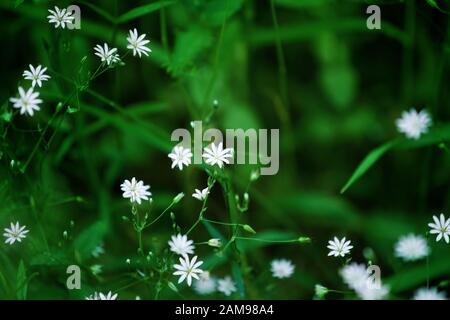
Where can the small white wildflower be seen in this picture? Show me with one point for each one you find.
(206, 284)
(101, 296)
(441, 227)
(27, 102)
(60, 17)
(411, 247)
(181, 245)
(354, 274)
(281, 268)
(180, 156)
(214, 242)
(137, 43)
(135, 190)
(93, 296)
(226, 286)
(200, 194)
(413, 124)
(429, 294)
(15, 233)
(188, 269)
(366, 292)
(36, 75)
(107, 55)
(339, 247)
(217, 154)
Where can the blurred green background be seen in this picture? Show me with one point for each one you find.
(308, 67)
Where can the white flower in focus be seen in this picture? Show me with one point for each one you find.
(411, 247)
(93, 296)
(180, 156)
(281, 268)
(339, 247)
(226, 286)
(101, 296)
(180, 245)
(137, 43)
(217, 155)
(60, 17)
(15, 233)
(135, 190)
(37, 75)
(354, 274)
(429, 294)
(188, 269)
(441, 227)
(200, 195)
(27, 102)
(107, 55)
(366, 292)
(413, 124)
(206, 284)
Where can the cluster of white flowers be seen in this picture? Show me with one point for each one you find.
(213, 154)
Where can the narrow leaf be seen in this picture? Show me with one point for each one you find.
(143, 10)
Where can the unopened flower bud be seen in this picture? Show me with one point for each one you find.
(178, 197)
(247, 228)
(214, 242)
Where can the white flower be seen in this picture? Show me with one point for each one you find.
(37, 75)
(180, 156)
(28, 101)
(429, 294)
(200, 195)
(339, 248)
(15, 233)
(98, 250)
(188, 269)
(137, 43)
(60, 17)
(226, 286)
(107, 55)
(101, 296)
(366, 292)
(206, 284)
(413, 124)
(181, 245)
(411, 247)
(441, 227)
(217, 155)
(281, 268)
(354, 274)
(135, 190)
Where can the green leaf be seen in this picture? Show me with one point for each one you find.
(368, 162)
(22, 283)
(98, 10)
(434, 4)
(143, 10)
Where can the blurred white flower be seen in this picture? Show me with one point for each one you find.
(188, 269)
(98, 250)
(36, 75)
(339, 247)
(60, 17)
(15, 233)
(281, 268)
(180, 156)
(101, 296)
(441, 227)
(411, 247)
(137, 43)
(366, 292)
(107, 55)
(206, 284)
(200, 195)
(27, 102)
(354, 274)
(135, 190)
(181, 245)
(413, 124)
(226, 286)
(96, 269)
(429, 294)
(217, 154)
